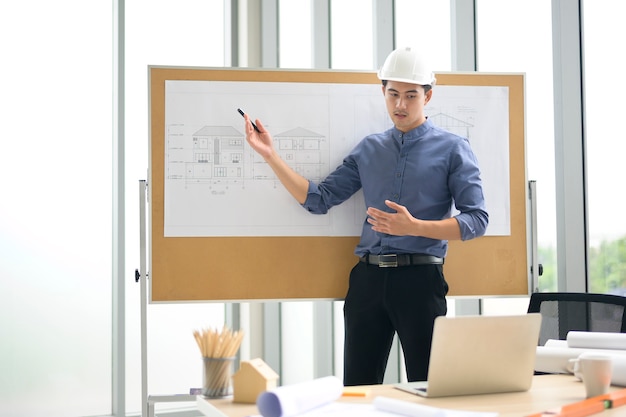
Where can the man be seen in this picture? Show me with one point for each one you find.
(411, 176)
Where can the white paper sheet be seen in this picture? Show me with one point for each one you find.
(216, 185)
(318, 398)
(555, 360)
(296, 399)
(596, 340)
(408, 409)
(556, 343)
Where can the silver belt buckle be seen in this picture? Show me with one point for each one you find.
(388, 261)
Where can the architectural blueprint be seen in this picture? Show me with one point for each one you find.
(216, 185)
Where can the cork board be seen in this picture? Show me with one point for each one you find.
(188, 269)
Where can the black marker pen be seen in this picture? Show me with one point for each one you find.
(253, 125)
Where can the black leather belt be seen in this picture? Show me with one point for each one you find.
(403, 259)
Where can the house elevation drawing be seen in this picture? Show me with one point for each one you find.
(216, 185)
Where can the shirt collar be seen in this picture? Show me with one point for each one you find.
(412, 134)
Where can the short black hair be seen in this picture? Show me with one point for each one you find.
(427, 87)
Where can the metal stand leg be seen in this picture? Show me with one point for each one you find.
(145, 411)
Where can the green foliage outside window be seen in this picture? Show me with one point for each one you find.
(607, 268)
(547, 258)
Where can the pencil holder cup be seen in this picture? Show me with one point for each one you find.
(217, 377)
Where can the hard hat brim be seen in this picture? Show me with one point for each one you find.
(430, 81)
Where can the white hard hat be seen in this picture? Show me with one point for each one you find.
(406, 65)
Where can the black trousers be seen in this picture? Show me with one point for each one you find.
(383, 301)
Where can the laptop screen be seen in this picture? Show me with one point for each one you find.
(482, 354)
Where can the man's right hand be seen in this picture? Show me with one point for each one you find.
(260, 141)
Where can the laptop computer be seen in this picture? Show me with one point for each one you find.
(480, 355)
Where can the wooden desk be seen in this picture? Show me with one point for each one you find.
(547, 392)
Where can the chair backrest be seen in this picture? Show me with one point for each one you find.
(562, 312)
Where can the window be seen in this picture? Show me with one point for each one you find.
(351, 34)
(295, 34)
(603, 68)
(182, 33)
(55, 209)
(506, 45)
(425, 23)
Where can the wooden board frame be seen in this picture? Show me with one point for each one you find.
(188, 269)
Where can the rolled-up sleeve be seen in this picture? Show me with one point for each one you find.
(467, 191)
(313, 203)
(336, 188)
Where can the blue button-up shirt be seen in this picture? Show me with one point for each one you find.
(426, 170)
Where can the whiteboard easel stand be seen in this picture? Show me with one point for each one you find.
(143, 297)
(148, 401)
(536, 269)
(141, 276)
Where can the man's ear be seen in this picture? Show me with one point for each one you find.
(428, 96)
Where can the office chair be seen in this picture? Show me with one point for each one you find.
(562, 312)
